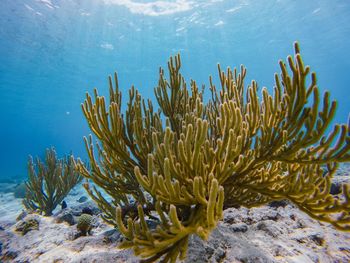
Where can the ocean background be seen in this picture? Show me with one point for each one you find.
(53, 51)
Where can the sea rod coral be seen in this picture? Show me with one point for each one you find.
(235, 149)
(49, 182)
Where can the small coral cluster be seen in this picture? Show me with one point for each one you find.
(84, 224)
(28, 225)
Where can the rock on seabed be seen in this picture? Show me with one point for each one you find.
(276, 233)
(266, 234)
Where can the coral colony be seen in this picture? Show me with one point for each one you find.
(49, 183)
(182, 164)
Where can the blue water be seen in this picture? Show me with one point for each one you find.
(53, 51)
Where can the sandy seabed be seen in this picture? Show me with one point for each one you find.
(266, 234)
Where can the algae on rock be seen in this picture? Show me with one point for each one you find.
(233, 150)
(50, 182)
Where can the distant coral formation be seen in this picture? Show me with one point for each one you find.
(183, 163)
(50, 182)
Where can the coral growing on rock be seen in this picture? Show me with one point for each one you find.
(233, 150)
(50, 182)
(27, 225)
(84, 224)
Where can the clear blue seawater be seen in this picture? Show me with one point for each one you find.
(53, 51)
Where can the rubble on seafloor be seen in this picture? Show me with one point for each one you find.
(275, 233)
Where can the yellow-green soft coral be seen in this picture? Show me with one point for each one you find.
(234, 150)
(49, 182)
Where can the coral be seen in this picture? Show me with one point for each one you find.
(50, 182)
(186, 162)
(27, 225)
(84, 224)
